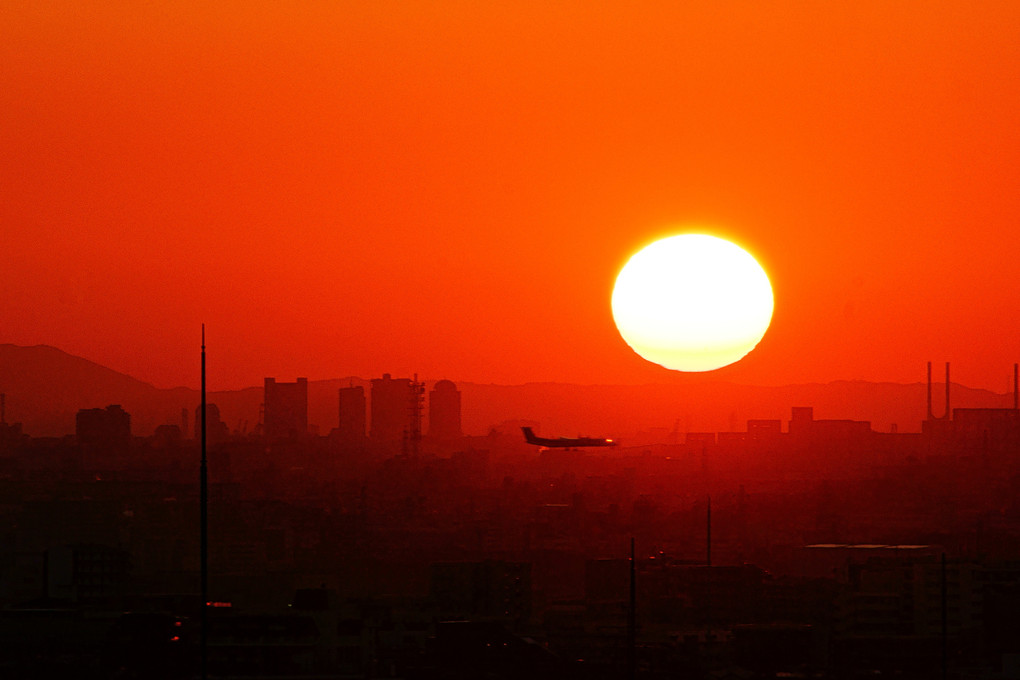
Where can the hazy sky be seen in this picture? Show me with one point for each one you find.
(346, 188)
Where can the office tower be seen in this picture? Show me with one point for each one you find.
(104, 436)
(444, 410)
(286, 404)
(396, 409)
(352, 413)
(216, 431)
(108, 427)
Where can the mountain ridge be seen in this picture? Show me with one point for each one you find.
(46, 386)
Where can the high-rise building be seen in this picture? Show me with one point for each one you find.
(104, 435)
(444, 410)
(493, 589)
(108, 427)
(286, 409)
(10, 433)
(216, 431)
(352, 413)
(394, 412)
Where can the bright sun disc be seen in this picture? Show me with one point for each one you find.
(692, 302)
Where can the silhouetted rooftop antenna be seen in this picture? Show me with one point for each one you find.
(204, 519)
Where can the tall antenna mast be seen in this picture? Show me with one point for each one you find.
(632, 617)
(204, 518)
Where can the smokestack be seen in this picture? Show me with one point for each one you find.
(949, 412)
(930, 414)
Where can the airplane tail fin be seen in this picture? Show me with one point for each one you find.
(529, 435)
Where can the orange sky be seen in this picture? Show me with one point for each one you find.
(450, 188)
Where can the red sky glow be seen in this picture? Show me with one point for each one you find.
(451, 188)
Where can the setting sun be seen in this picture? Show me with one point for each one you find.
(692, 302)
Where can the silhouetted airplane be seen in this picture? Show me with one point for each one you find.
(564, 442)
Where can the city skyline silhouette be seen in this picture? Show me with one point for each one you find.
(797, 545)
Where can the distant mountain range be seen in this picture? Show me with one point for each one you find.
(45, 388)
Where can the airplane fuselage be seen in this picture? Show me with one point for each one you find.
(564, 442)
